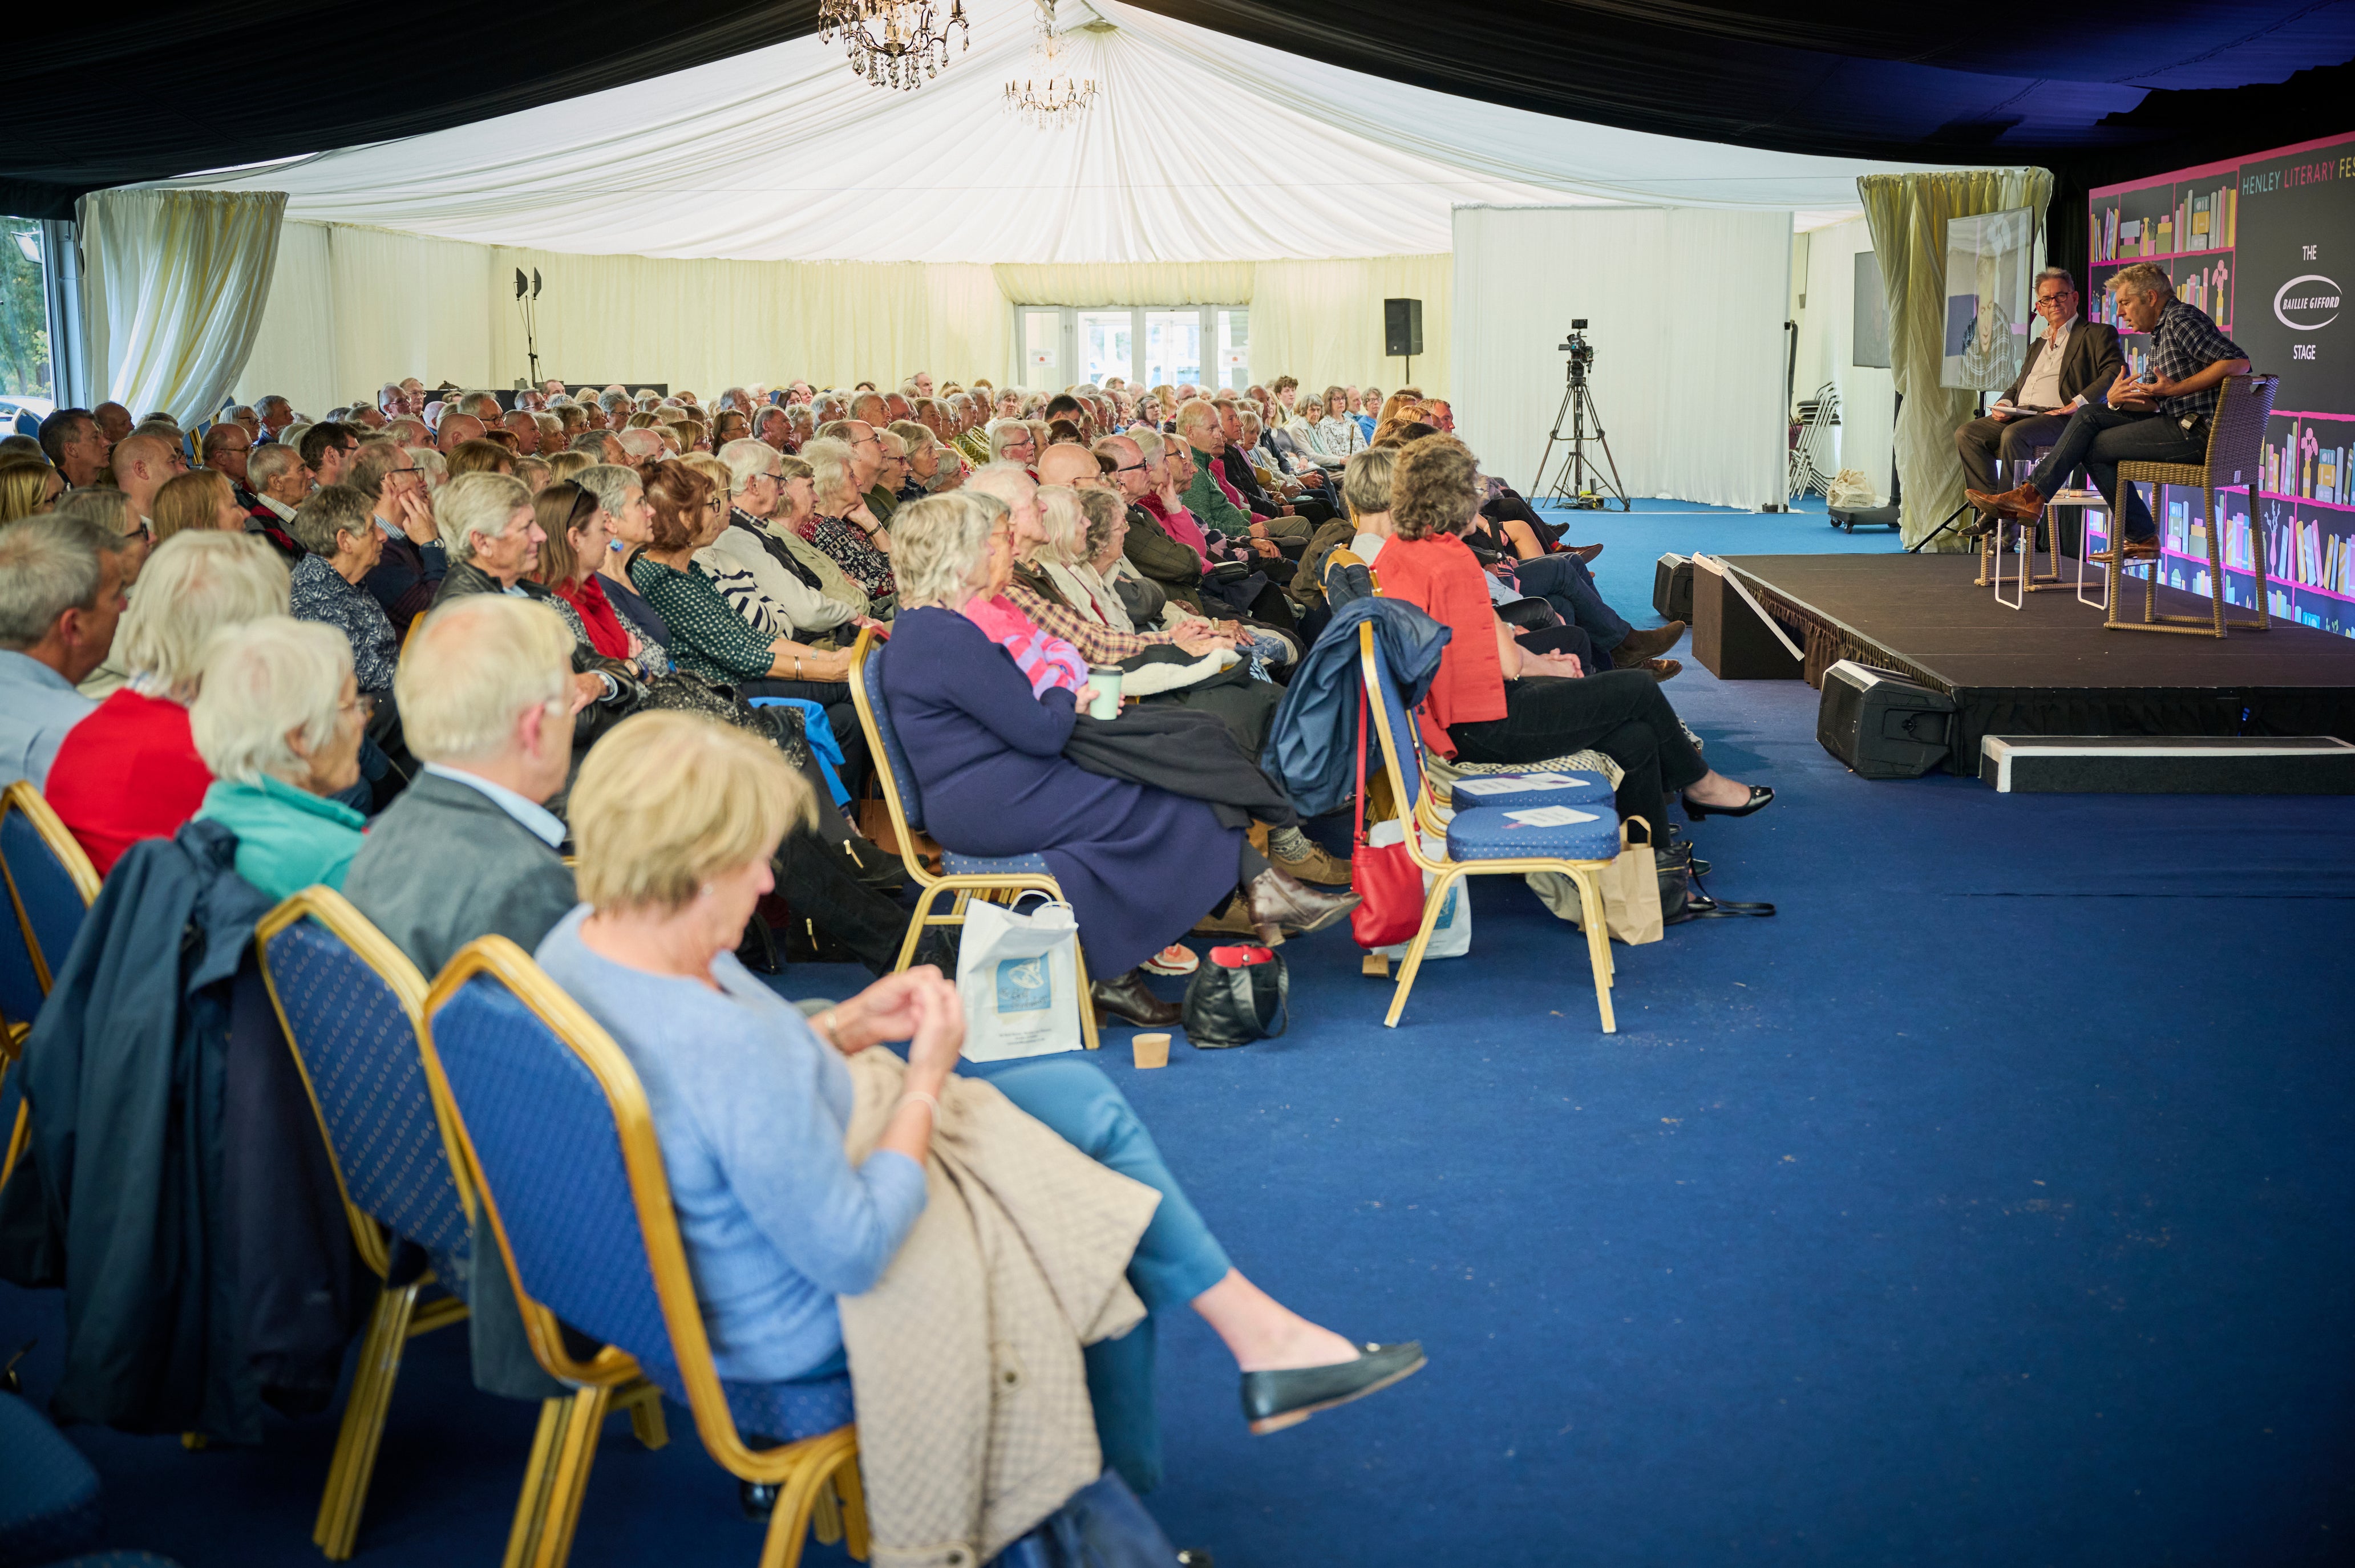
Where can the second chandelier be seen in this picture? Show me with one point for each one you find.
(893, 43)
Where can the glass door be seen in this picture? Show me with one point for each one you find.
(1173, 347)
(1039, 329)
(1207, 345)
(1107, 341)
(1233, 371)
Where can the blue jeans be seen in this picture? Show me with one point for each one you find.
(1176, 1260)
(1563, 581)
(2102, 438)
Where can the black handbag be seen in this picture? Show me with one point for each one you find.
(1237, 995)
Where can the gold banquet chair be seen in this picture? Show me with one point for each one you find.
(1475, 841)
(51, 884)
(965, 875)
(555, 1141)
(2236, 440)
(353, 1008)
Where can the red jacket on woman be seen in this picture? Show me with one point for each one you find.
(128, 771)
(1441, 576)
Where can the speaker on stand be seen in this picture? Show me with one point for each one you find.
(1402, 333)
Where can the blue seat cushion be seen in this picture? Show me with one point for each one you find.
(1489, 833)
(49, 1493)
(1506, 791)
(779, 1413)
(999, 866)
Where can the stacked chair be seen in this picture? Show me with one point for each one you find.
(51, 884)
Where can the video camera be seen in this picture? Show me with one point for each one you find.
(1580, 352)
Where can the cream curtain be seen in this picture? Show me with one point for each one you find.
(355, 307)
(1322, 321)
(1908, 216)
(1687, 306)
(174, 284)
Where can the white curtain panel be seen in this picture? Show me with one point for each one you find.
(783, 154)
(173, 288)
(1687, 308)
(1826, 345)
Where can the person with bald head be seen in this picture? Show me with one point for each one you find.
(455, 429)
(869, 408)
(143, 464)
(226, 449)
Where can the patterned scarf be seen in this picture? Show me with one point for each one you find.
(1047, 661)
(605, 632)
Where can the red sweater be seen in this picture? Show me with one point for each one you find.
(128, 771)
(1442, 577)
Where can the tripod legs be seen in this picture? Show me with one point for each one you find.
(1580, 475)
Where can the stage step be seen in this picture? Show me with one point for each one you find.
(2167, 764)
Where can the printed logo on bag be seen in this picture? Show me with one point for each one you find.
(1023, 986)
(1447, 910)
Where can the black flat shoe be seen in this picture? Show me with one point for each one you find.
(1127, 999)
(1759, 796)
(1273, 1400)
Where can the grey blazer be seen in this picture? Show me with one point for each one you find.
(2089, 363)
(444, 865)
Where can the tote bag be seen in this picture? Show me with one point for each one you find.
(1017, 975)
(1388, 885)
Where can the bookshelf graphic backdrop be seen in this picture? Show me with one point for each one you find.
(2263, 244)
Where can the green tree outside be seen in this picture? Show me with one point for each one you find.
(24, 315)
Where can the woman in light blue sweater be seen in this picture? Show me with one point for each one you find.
(675, 819)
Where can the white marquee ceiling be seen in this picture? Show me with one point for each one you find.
(1200, 147)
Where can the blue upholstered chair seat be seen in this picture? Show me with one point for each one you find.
(1488, 833)
(49, 1493)
(777, 1413)
(995, 866)
(1590, 790)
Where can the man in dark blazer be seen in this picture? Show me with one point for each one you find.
(2075, 362)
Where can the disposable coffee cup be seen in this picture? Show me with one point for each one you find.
(1151, 1050)
(1105, 678)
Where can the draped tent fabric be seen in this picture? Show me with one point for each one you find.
(174, 284)
(1828, 349)
(1322, 321)
(1687, 306)
(781, 154)
(1908, 216)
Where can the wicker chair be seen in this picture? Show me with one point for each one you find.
(2236, 438)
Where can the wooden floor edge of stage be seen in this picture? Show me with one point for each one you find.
(2025, 672)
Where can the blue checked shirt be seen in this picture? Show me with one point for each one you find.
(2184, 343)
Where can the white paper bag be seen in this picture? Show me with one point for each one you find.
(1451, 937)
(1018, 976)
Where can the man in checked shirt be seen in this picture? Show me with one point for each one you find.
(2160, 417)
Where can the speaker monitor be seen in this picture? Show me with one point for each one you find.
(1402, 328)
(1882, 725)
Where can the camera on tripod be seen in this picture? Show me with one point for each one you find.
(1580, 352)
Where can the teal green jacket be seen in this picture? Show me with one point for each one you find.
(1210, 503)
(287, 838)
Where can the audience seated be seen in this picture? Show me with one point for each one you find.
(61, 596)
(1492, 701)
(200, 499)
(985, 728)
(677, 821)
(130, 769)
(27, 485)
(412, 559)
(279, 722)
(769, 497)
(844, 526)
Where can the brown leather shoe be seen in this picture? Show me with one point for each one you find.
(1235, 922)
(1637, 647)
(2022, 502)
(1316, 867)
(1126, 998)
(1663, 669)
(1280, 906)
(1585, 553)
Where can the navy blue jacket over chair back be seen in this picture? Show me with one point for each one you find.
(1312, 746)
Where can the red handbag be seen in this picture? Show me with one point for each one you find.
(1387, 882)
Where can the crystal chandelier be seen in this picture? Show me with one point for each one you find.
(1052, 96)
(891, 40)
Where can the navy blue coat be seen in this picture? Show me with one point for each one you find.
(1312, 749)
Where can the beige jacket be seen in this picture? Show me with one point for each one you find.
(973, 1419)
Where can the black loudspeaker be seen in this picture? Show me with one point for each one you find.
(1402, 328)
(1884, 726)
(1672, 587)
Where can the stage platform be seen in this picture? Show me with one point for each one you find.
(2050, 668)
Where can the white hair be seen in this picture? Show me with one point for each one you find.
(264, 681)
(935, 542)
(1065, 523)
(192, 586)
(477, 665)
(1003, 480)
(1003, 434)
(748, 458)
(830, 469)
(477, 506)
(1149, 441)
(641, 444)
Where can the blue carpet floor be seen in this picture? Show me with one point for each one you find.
(1991, 1205)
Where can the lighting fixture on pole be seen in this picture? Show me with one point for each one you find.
(889, 41)
(1050, 96)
